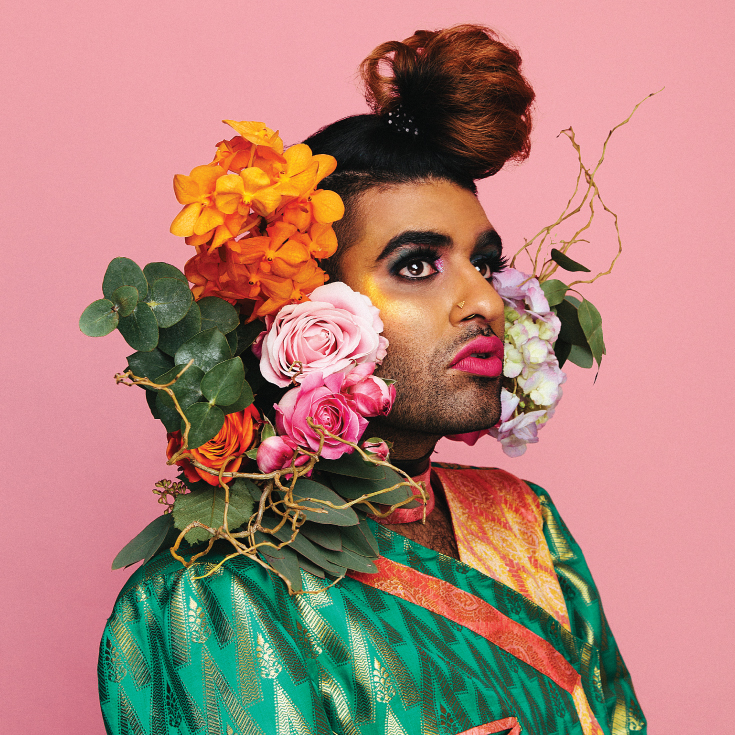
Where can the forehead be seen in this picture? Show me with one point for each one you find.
(440, 206)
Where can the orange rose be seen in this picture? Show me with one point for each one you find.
(234, 438)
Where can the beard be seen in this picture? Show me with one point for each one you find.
(430, 399)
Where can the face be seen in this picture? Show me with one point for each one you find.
(425, 254)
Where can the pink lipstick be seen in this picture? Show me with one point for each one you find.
(483, 356)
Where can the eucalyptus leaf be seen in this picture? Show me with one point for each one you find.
(207, 505)
(581, 356)
(265, 539)
(223, 384)
(312, 552)
(244, 400)
(355, 487)
(591, 322)
(123, 272)
(150, 397)
(561, 350)
(99, 318)
(288, 566)
(186, 388)
(154, 271)
(355, 561)
(554, 290)
(232, 341)
(206, 349)
(149, 364)
(242, 484)
(170, 300)
(125, 299)
(360, 539)
(352, 465)
(247, 334)
(323, 535)
(146, 543)
(206, 421)
(306, 492)
(565, 262)
(168, 415)
(218, 313)
(307, 566)
(140, 329)
(571, 330)
(170, 339)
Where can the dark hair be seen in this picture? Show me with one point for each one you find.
(446, 105)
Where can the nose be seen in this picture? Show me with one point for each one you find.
(476, 299)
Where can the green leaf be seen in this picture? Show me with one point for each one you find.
(217, 312)
(317, 512)
(353, 487)
(149, 364)
(207, 505)
(554, 291)
(288, 566)
(251, 453)
(186, 389)
(146, 543)
(150, 397)
(170, 300)
(140, 329)
(99, 318)
(571, 330)
(323, 535)
(312, 552)
(247, 333)
(354, 561)
(360, 539)
(561, 350)
(206, 421)
(243, 485)
(591, 322)
(125, 299)
(307, 566)
(123, 272)
(206, 349)
(262, 538)
(223, 384)
(268, 429)
(170, 339)
(565, 262)
(232, 341)
(244, 400)
(154, 271)
(352, 465)
(581, 356)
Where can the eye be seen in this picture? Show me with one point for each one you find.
(490, 264)
(418, 268)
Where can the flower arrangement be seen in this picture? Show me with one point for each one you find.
(263, 374)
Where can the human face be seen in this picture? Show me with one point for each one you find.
(425, 254)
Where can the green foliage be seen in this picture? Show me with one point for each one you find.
(149, 364)
(323, 535)
(571, 330)
(123, 272)
(554, 291)
(186, 389)
(352, 465)
(146, 543)
(154, 271)
(207, 505)
(206, 421)
(581, 355)
(125, 300)
(360, 539)
(317, 512)
(99, 318)
(247, 333)
(287, 565)
(207, 349)
(561, 350)
(315, 554)
(565, 262)
(171, 338)
(223, 384)
(170, 300)
(243, 401)
(591, 323)
(218, 313)
(140, 329)
(355, 487)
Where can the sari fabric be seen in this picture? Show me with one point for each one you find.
(427, 646)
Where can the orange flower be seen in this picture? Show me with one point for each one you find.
(250, 188)
(234, 438)
(196, 192)
(278, 253)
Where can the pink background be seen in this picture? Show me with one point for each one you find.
(104, 102)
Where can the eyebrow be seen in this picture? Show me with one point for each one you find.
(430, 238)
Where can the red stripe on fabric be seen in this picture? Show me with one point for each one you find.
(509, 723)
(464, 608)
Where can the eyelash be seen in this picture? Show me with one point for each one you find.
(495, 261)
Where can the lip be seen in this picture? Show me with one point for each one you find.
(490, 366)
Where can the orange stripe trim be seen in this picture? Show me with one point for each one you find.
(474, 613)
(509, 723)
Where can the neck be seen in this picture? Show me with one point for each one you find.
(407, 446)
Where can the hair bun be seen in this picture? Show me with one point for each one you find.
(463, 89)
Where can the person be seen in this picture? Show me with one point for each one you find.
(483, 619)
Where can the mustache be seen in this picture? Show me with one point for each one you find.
(471, 333)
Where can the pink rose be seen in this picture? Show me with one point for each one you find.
(277, 452)
(337, 329)
(372, 396)
(377, 447)
(320, 398)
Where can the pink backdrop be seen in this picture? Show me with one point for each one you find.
(104, 102)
